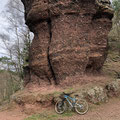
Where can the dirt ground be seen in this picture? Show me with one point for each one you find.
(15, 114)
(108, 111)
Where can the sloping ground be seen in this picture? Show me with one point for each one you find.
(12, 115)
(45, 96)
(109, 111)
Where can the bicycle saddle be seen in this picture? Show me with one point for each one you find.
(68, 93)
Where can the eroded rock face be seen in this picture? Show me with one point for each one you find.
(70, 37)
(114, 35)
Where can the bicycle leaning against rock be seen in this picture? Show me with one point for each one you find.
(80, 105)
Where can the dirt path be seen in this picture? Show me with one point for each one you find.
(12, 115)
(109, 111)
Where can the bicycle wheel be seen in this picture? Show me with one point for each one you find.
(60, 107)
(81, 107)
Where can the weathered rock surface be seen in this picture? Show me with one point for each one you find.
(113, 88)
(114, 35)
(96, 95)
(70, 37)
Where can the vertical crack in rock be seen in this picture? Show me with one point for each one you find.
(60, 51)
(48, 55)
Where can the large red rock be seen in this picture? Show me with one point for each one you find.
(70, 37)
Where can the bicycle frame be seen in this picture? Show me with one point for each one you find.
(73, 99)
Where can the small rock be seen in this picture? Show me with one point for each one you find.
(96, 95)
(113, 88)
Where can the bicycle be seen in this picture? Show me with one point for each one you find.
(80, 105)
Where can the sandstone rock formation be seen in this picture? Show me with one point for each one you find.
(70, 37)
